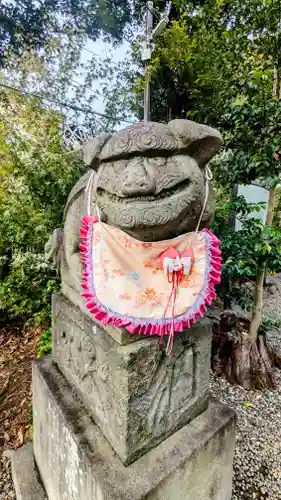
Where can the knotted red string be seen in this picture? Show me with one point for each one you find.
(176, 277)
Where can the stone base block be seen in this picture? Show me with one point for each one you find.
(25, 475)
(76, 462)
(136, 394)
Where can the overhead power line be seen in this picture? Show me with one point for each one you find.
(64, 104)
(99, 56)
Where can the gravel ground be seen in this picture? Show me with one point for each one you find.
(257, 463)
(6, 485)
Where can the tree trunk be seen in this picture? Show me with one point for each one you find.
(231, 228)
(257, 312)
(258, 303)
(238, 352)
(237, 357)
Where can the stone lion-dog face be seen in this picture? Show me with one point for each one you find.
(149, 177)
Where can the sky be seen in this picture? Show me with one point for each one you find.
(103, 49)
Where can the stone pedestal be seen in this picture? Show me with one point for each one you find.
(76, 461)
(136, 394)
(116, 419)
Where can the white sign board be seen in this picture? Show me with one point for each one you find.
(254, 193)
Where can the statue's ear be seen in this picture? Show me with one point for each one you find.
(92, 150)
(204, 150)
(199, 141)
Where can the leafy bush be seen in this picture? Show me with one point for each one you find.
(45, 344)
(269, 324)
(36, 174)
(27, 289)
(245, 251)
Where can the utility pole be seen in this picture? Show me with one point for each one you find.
(148, 48)
(147, 57)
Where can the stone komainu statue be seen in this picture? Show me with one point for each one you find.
(149, 181)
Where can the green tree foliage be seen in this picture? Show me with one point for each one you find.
(30, 23)
(211, 52)
(37, 174)
(245, 251)
(219, 63)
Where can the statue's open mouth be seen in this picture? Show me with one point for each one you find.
(165, 193)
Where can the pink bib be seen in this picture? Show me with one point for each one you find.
(153, 288)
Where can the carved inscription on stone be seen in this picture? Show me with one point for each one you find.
(170, 390)
(77, 358)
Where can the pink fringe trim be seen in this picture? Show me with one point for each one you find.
(135, 325)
